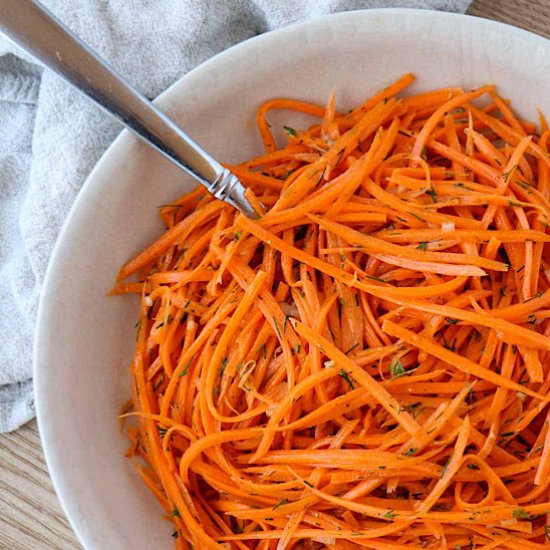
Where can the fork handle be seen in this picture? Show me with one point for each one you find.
(35, 29)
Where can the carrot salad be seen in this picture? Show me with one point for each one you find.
(365, 364)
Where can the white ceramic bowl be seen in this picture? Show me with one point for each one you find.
(85, 340)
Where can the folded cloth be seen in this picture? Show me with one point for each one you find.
(51, 137)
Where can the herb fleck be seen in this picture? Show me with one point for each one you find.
(346, 377)
(281, 503)
(520, 513)
(396, 368)
(285, 323)
(277, 328)
(185, 369)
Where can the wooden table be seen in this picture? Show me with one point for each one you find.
(30, 515)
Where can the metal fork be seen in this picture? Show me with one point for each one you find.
(35, 29)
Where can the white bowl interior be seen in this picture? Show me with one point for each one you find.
(85, 340)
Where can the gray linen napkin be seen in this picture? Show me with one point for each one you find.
(51, 137)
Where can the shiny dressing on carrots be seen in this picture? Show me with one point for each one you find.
(366, 364)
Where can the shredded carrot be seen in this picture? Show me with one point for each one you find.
(367, 364)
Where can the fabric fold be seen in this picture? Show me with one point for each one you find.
(51, 136)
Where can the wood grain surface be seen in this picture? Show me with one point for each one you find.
(533, 15)
(30, 515)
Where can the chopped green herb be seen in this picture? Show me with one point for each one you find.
(416, 216)
(346, 377)
(263, 349)
(396, 368)
(281, 503)
(451, 321)
(322, 176)
(389, 514)
(162, 431)
(237, 529)
(277, 328)
(413, 409)
(138, 327)
(506, 175)
(351, 349)
(375, 278)
(422, 246)
(537, 295)
(520, 513)
(340, 155)
(450, 347)
(285, 323)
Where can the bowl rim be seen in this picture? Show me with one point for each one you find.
(50, 284)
